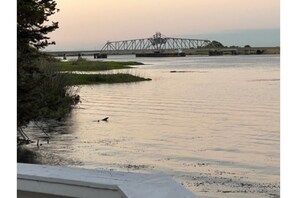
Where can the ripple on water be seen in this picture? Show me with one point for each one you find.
(214, 129)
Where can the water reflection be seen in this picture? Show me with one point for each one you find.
(213, 125)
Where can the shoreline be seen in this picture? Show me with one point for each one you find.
(216, 182)
(82, 65)
(214, 185)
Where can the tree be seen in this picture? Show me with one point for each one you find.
(31, 16)
(215, 44)
(41, 92)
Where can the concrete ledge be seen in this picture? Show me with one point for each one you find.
(52, 181)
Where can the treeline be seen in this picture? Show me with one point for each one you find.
(217, 44)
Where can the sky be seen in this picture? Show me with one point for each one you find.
(88, 24)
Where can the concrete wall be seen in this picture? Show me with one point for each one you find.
(53, 181)
(25, 194)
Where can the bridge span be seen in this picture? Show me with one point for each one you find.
(157, 44)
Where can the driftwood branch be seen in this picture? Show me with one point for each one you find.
(23, 134)
(42, 129)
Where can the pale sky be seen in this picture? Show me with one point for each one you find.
(88, 24)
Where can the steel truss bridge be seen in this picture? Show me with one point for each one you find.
(156, 42)
(161, 44)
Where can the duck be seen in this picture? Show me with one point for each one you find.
(105, 119)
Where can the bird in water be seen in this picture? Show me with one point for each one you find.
(104, 119)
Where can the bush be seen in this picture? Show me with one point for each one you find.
(42, 92)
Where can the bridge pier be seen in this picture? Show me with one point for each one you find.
(96, 56)
(259, 51)
(215, 53)
(234, 52)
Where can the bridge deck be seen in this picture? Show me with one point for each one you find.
(127, 52)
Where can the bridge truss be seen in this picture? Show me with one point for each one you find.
(156, 42)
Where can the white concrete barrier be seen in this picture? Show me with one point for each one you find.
(62, 182)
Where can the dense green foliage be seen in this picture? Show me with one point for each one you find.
(82, 65)
(84, 79)
(31, 16)
(41, 92)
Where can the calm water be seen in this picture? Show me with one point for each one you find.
(213, 124)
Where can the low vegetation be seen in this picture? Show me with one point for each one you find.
(85, 79)
(84, 65)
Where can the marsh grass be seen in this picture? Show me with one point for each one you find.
(86, 79)
(79, 72)
(84, 65)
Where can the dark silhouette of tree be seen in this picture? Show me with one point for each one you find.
(31, 27)
(215, 44)
(41, 92)
(234, 46)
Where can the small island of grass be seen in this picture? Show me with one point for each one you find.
(86, 79)
(84, 65)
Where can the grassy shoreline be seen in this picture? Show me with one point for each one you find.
(87, 79)
(88, 66)
(84, 65)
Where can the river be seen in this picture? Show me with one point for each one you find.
(212, 123)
